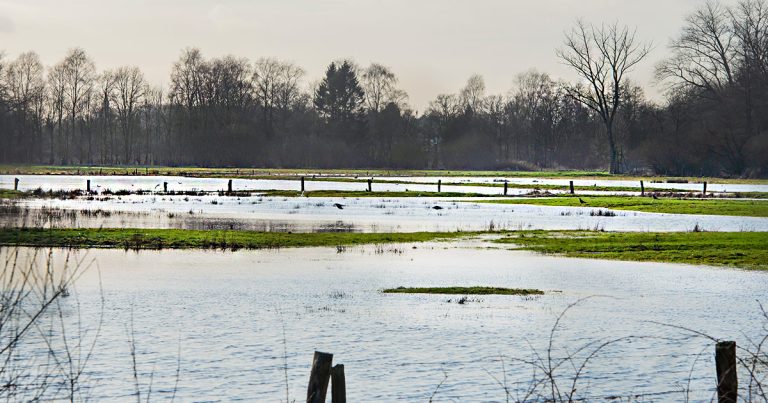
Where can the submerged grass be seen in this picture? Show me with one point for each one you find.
(130, 238)
(748, 250)
(477, 290)
(751, 208)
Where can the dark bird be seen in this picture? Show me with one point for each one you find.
(437, 208)
(582, 201)
(338, 206)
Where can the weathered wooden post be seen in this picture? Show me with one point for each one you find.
(571, 184)
(439, 185)
(704, 193)
(15, 183)
(642, 189)
(318, 377)
(88, 186)
(338, 384)
(727, 378)
(165, 187)
(302, 184)
(370, 182)
(229, 186)
(506, 187)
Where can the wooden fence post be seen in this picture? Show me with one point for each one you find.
(165, 187)
(642, 189)
(370, 182)
(15, 183)
(705, 189)
(571, 184)
(439, 185)
(506, 187)
(727, 378)
(302, 184)
(229, 186)
(318, 378)
(88, 186)
(338, 385)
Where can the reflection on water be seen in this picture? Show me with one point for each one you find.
(302, 214)
(223, 314)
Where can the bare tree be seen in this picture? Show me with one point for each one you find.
(379, 84)
(703, 54)
(26, 88)
(602, 56)
(129, 88)
(472, 95)
(78, 76)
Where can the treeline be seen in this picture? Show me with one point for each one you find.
(230, 111)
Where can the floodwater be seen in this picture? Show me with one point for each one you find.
(299, 214)
(533, 182)
(230, 319)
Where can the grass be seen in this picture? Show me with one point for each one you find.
(272, 172)
(729, 207)
(130, 238)
(748, 250)
(463, 291)
(10, 194)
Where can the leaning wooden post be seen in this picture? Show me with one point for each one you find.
(88, 186)
(370, 182)
(642, 189)
(439, 185)
(318, 378)
(571, 184)
(727, 379)
(338, 384)
(506, 187)
(15, 183)
(704, 193)
(229, 186)
(302, 184)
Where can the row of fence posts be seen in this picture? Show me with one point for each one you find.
(324, 371)
(370, 186)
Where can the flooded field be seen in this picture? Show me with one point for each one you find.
(239, 318)
(297, 214)
(246, 323)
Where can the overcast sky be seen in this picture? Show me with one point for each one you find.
(432, 45)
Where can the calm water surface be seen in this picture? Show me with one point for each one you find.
(223, 314)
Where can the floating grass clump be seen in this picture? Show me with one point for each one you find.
(477, 290)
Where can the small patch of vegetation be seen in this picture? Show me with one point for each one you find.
(477, 290)
(10, 194)
(752, 208)
(130, 238)
(737, 249)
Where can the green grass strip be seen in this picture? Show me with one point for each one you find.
(729, 207)
(463, 291)
(201, 239)
(748, 250)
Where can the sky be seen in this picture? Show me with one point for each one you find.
(432, 45)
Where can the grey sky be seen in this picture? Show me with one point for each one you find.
(432, 45)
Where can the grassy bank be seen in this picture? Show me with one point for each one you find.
(748, 250)
(193, 239)
(272, 172)
(750, 208)
(463, 291)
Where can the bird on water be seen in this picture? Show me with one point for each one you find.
(338, 206)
